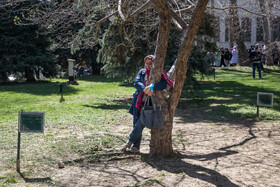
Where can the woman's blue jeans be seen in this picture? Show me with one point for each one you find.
(136, 134)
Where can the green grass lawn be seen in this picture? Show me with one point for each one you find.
(83, 121)
(233, 94)
(92, 110)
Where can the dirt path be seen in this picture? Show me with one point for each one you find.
(209, 154)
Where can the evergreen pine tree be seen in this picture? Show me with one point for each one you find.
(23, 49)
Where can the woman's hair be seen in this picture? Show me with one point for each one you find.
(149, 57)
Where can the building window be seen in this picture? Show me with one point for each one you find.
(259, 33)
(276, 29)
(246, 25)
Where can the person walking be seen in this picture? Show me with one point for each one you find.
(142, 90)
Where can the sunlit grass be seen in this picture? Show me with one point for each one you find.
(233, 94)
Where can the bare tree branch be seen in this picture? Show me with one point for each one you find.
(126, 35)
(234, 7)
(178, 19)
(185, 10)
(120, 10)
(137, 11)
(125, 3)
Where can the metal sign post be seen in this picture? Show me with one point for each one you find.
(61, 93)
(18, 153)
(30, 122)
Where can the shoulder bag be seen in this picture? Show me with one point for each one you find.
(151, 116)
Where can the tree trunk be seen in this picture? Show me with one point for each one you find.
(243, 58)
(230, 29)
(267, 40)
(161, 142)
(3, 76)
(29, 75)
(242, 51)
(161, 139)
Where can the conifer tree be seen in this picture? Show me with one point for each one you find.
(23, 49)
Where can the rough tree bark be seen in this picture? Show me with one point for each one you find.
(161, 142)
(161, 139)
(230, 29)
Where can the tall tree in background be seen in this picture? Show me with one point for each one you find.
(267, 39)
(239, 38)
(23, 49)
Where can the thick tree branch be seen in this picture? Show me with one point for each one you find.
(184, 52)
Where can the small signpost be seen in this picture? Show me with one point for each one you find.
(61, 93)
(29, 122)
(264, 99)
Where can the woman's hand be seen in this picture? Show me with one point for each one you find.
(148, 91)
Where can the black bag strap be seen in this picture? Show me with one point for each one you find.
(147, 102)
(154, 105)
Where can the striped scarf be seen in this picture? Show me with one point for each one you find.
(147, 75)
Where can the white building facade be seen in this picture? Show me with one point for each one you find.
(250, 19)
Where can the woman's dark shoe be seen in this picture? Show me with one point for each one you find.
(134, 150)
(127, 145)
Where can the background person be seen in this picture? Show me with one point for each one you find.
(234, 58)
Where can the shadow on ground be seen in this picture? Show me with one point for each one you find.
(35, 180)
(43, 88)
(178, 166)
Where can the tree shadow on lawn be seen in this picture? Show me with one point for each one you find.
(42, 88)
(220, 102)
(119, 103)
(104, 106)
(233, 70)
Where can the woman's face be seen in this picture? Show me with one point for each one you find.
(148, 64)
